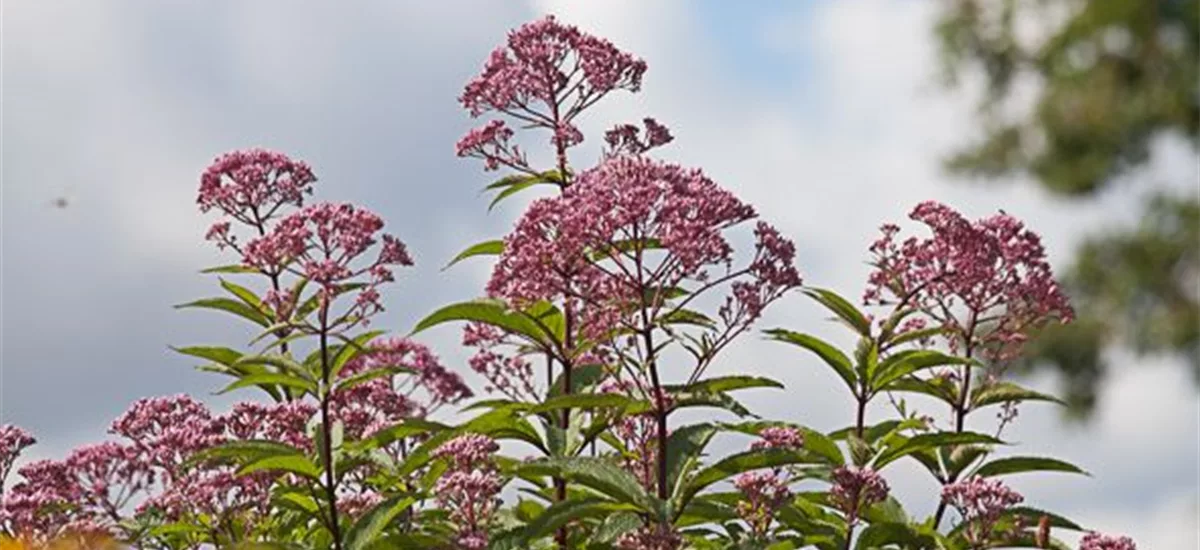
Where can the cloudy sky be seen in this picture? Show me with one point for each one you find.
(826, 116)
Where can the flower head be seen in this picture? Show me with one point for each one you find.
(856, 489)
(251, 186)
(1096, 541)
(981, 502)
(986, 281)
(322, 243)
(13, 440)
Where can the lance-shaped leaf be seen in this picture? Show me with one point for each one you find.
(723, 384)
(600, 475)
(242, 293)
(216, 354)
(1021, 464)
(350, 349)
(230, 305)
(493, 247)
(832, 357)
(1004, 392)
(367, 528)
(841, 307)
(231, 268)
(240, 452)
(903, 363)
(292, 463)
(268, 379)
(582, 401)
(562, 512)
(684, 447)
(487, 311)
(929, 441)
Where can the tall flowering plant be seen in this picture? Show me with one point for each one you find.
(624, 286)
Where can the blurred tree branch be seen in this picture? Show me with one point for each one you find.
(1109, 78)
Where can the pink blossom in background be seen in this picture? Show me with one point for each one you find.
(856, 489)
(763, 492)
(652, 537)
(1096, 541)
(627, 139)
(779, 437)
(549, 256)
(470, 488)
(987, 281)
(13, 440)
(251, 186)
(981, 502)
(321, 242)
(544, 76)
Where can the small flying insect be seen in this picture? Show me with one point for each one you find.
(62, 201)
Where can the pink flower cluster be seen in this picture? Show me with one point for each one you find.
(779, 437)
(625, 139)
(510, 375)
(251, 186)
(469, 489)
(490, 143)
(576, 247)
(855, 489)
(763, 492)
(13, 440)
(987, 281)
(981, 502)
(1096, 541)
(638, 433)
(321, 242)
(544, 76)
(386, 400)
(82, 494)
(651, 537)
(94, 487)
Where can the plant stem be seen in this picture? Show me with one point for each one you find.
(327, 431)
(960, 411)
(565, 421)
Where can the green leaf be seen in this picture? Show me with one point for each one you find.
(583, 401)
(904, 363)
(562, 512)
(1033, 515)
(614, 526)
(271, 379)
(886, 534)
(242, 451)
(842, 308)
(295, 463)
(368, 527)
(351, 349)
(582, 376)
(727, 383)
(224, 356)
(598, 474)
(1003, 392)
(512, 190)
(927, 441)
(231, 268)
(1021, 464)
(486, 248)
(242, 293)
(230, 305)
(684, 446)
(491, 312)
(832, 357)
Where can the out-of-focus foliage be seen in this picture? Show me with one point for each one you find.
(1109, 78)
